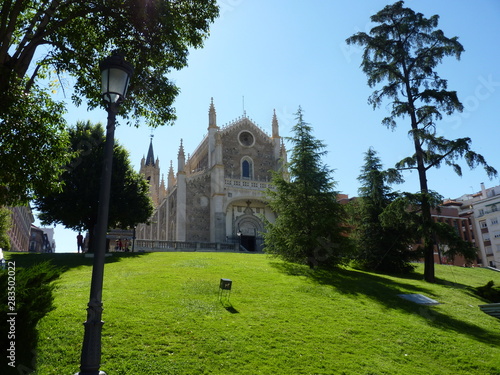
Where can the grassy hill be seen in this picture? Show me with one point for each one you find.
(163, 316)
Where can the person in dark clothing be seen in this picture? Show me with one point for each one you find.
(79, 242)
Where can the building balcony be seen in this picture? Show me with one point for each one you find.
(247, 184)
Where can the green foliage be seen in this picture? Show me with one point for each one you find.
(45, 43)
(33, 297)
(33, 145)
(455, 245)
(5, 224)
(489, 292)
(403, 50)
(382, 246)
(405, 213)
(76, 205)
(309, 225)
(74, 36)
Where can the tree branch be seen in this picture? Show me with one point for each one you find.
(7, 26)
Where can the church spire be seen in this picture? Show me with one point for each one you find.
(150, 169)
(212, 117)
(181, 159)
(150, 159)
(276, 131)
(171, 177)
(276, 139)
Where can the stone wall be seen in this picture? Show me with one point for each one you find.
(172, 212)
(261, 152)
(198, 208)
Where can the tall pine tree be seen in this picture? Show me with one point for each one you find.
(309, 224)
(381, 246)
(403, 49)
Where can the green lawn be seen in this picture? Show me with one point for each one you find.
(163, 316)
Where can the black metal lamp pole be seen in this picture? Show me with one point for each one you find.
(133, 239)
(116, 73)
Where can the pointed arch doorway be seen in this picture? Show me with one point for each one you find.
(248, 229)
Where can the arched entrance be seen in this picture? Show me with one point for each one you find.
(248, 228)
(246, 223)
(247, 234)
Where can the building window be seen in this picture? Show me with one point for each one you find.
(488, 250)
(494, 221)
(246, 168)
(483, 224)
(481, 212)
(246, 139)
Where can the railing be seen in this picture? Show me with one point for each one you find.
(156, 245)
(248, 184)
(486, 212)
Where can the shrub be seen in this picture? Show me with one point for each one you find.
(27, 293)
(489, 292)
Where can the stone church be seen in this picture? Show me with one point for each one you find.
(218, 193)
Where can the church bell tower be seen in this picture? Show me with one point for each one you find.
(150, 169)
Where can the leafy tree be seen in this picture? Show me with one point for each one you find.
(308, 228)
(384, 248)
(77, 204)
(33, 145)
(489, 292)
(404, 49)
(406, 211)
(5, 223)
(455, 245)
(45, 43)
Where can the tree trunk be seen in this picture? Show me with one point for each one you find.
(428, 244)
(424, 190)
(91, 231)
(91, 241)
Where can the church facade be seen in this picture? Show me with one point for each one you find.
(218, 193)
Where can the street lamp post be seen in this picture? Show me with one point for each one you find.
(115, 74)
(133, 238)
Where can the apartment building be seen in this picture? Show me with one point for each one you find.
(485, 208)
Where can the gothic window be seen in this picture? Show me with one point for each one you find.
(246, 168)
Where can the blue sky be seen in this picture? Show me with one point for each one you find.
(282, 54)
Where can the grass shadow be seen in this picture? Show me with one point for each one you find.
(229, 307)
(64, 261)
(385, 292)
(419, 277)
